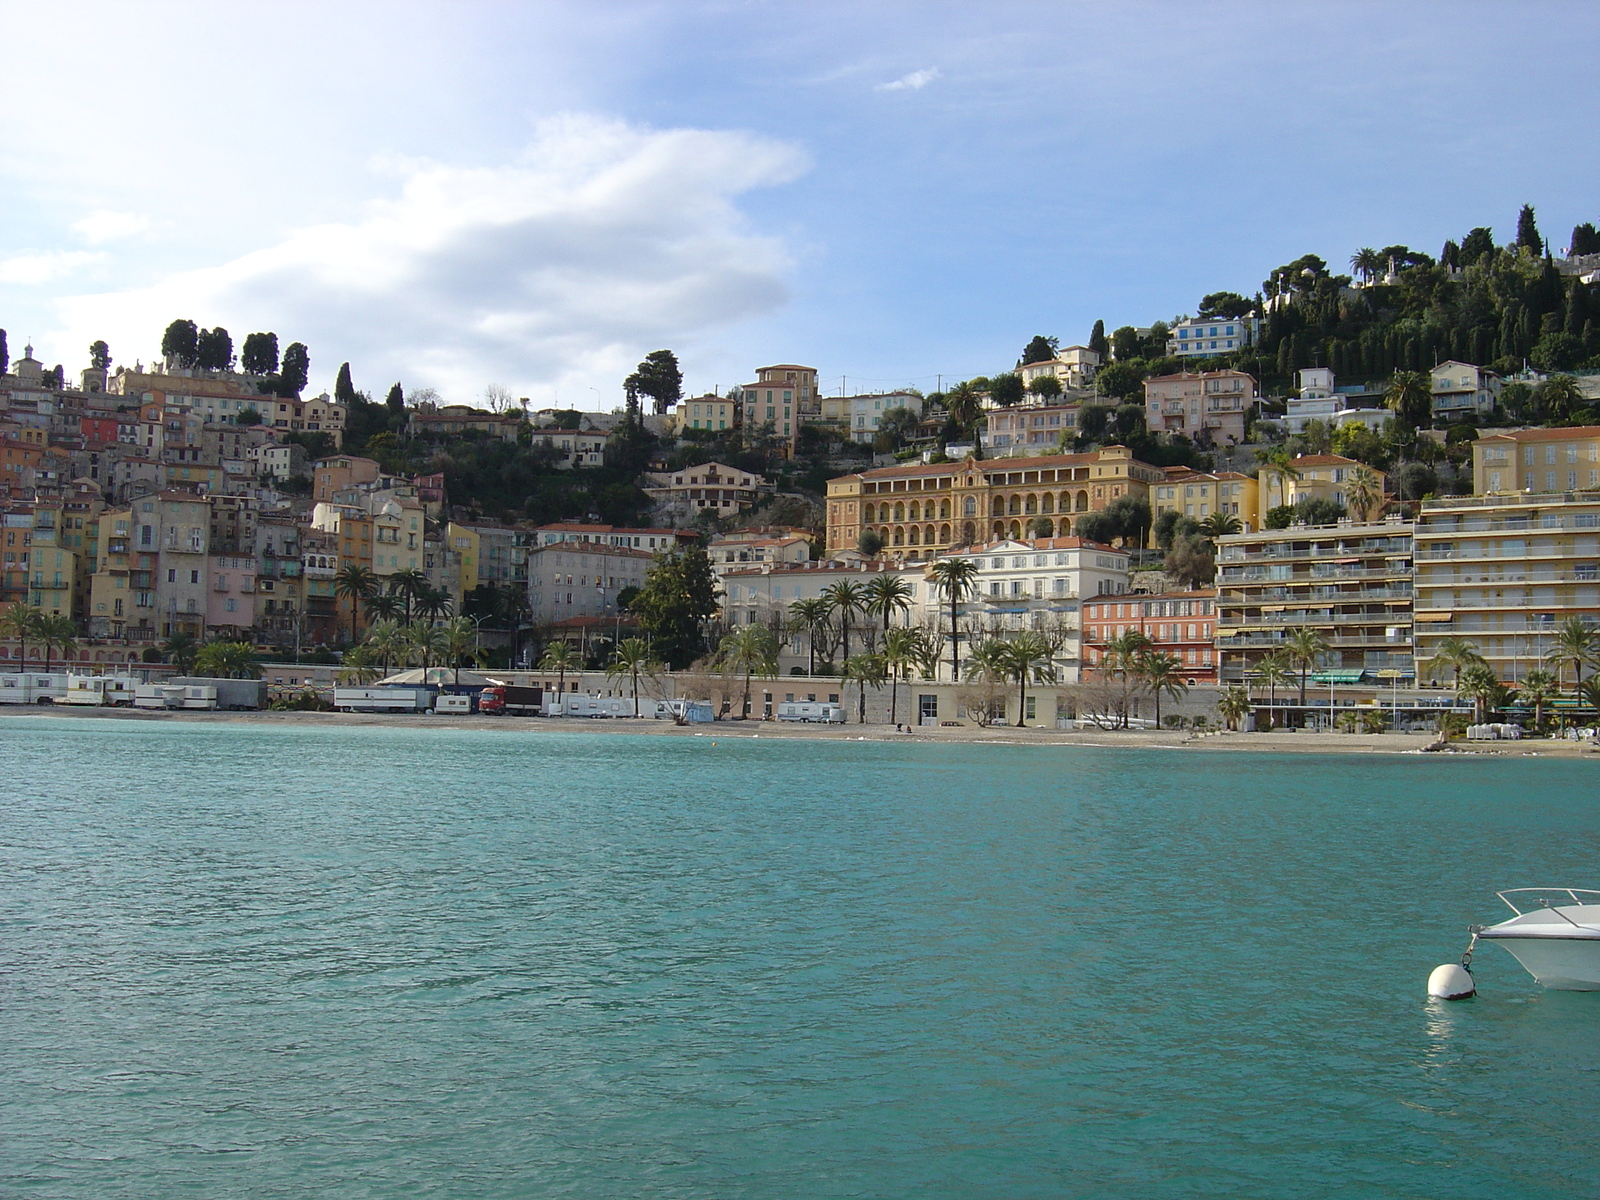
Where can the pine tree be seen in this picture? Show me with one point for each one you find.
(99, 354)
(395, 400)
(1585, 239)
(180, 344)
(343, 390)
(1528, 231)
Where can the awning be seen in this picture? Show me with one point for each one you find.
(1394, 673)
(1337, 676)
(1432, 616)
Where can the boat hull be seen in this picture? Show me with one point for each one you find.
(1561, 964)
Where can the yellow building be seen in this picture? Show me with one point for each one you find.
(921, 510)
(704, 412)
(52, 564)
(1537, 460)
(1315, 477)
(112, 596)
(1199, 494)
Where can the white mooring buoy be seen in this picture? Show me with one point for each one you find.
(1452, 981)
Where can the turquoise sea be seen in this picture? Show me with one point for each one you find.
(259, 961)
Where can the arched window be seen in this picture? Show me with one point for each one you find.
(916, 535)
(1083, 501)
(899, 536)
(867, 513)
(927, 535)
(998, 507)
(1016, 505)
(969, 506)
(899, 513)
(944, 533)
(944, 510)
(916, 511)
(1030, 506)
(1016, 529)
(1047, 503)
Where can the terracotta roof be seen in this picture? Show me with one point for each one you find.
(1089, 458)
(1325, 460)
(1043, 543)
(1543, 435)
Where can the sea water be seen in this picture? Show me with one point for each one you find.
(245, 960)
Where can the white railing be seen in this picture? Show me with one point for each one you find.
(1572, 893)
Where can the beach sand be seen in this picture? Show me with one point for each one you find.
(1293, 742)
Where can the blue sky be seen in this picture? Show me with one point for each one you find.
(536, 195)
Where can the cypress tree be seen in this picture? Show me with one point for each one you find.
(343, 390)
(1577, 307)
(1528, 231)
(1097, 340)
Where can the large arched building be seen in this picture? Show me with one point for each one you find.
(922, 510)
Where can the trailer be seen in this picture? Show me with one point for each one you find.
(158, 695)
(384, 699)
(689, 712)
(99, 690)
(573, 705)
(236, 695)
(810, 711)
(504, 699)
(197, 696)
(32, 687)
(454, 706)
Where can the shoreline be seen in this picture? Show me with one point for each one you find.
(1298, 742)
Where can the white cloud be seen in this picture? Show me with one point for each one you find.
(102, 225)
(913, 82)
(44, 268)
(603, 241)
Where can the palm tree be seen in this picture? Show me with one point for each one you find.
(1589, 694)
(228, 660)
(181, 649)
(1273, 670)
(632, 659)
(956, 577)
(1539, 685)
(1576, 644)
(864, 669)
(56, 632)
(887, 595)
(847, 598)
(1163, 675)
(20, 621)
(385, 643)
(409, 584)
(385, 606)
(1453, 654)
(1410, 396)
(355, 583)
(1362, 492)
(903, 649)
(460, 637)
(1479, 685)
(1559, 396)
(359, 665)
(1234, 705)
(1022, 656)
(425, 640)
(1220, 525)
(965, 406)
(1366, 263)
(560, 657)
(748, 650)
(1304, 647)
(433, 603)
(812, 616)
(1122, 653)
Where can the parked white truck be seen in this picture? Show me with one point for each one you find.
(811, 711)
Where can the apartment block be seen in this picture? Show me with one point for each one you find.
(1313, 477)
(1351, 582)
(779, 400)
(1505, 571)
(1205, 337)
(1200, 494)
(1461, 390)
(581, 579)
(1026, 430)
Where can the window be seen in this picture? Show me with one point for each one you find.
(172, 575)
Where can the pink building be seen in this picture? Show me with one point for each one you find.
(1207, 407)
(230, 593)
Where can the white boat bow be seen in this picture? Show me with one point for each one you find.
(1555, 935)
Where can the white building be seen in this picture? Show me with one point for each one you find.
(581, 579)
(760, 594)
(576, 447)
(706, 487)
(1074, 366)
(1463, 390)
(1198, 337)
(1032, 583)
